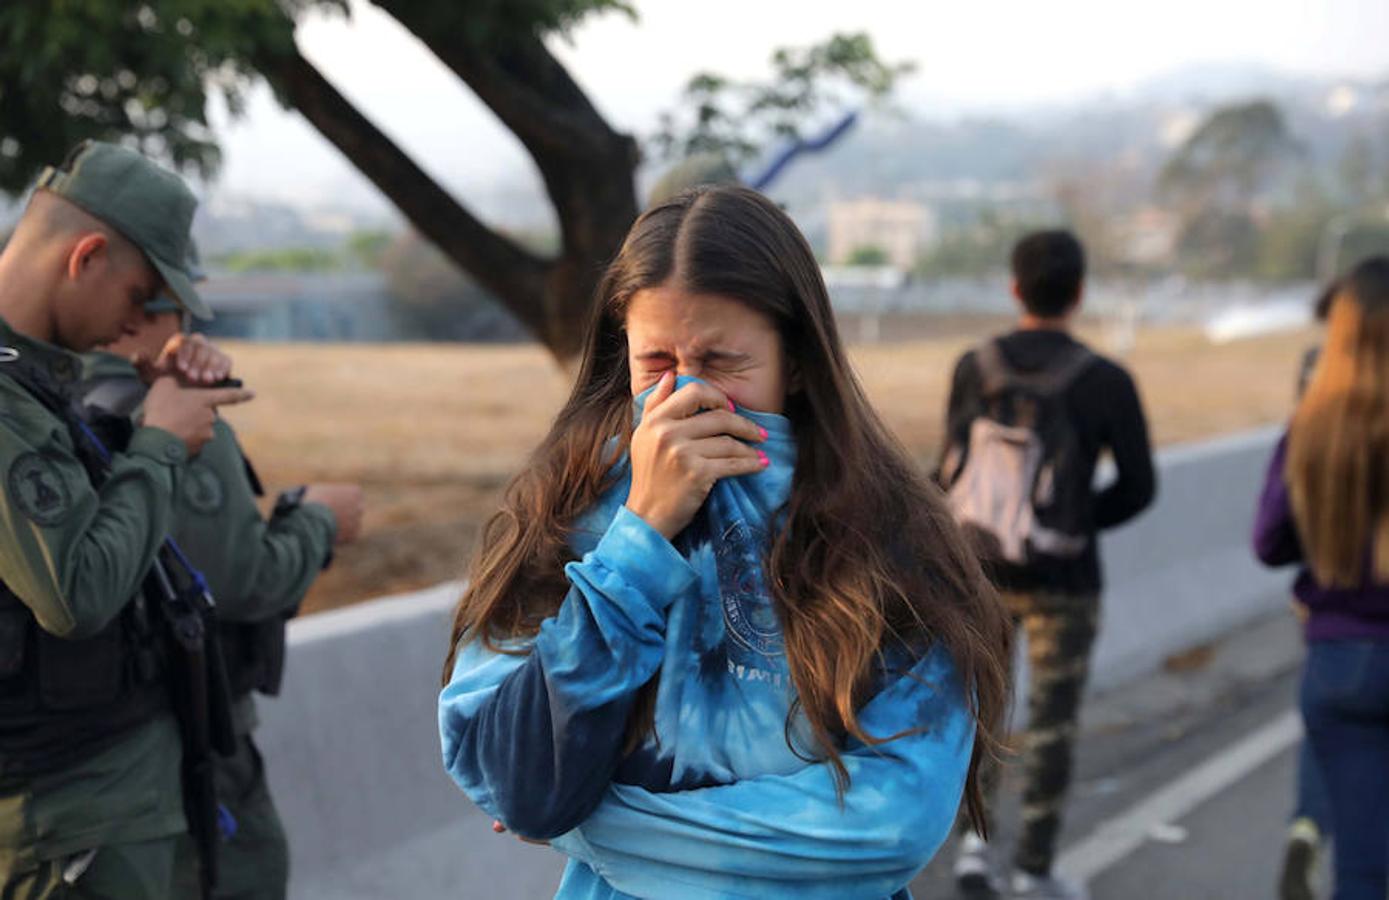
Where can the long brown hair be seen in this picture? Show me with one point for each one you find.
(869, 557)
(1338, 444)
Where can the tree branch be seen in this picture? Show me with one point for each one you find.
(516, 276)
(517, 77)
(587, 167)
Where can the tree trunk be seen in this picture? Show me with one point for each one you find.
(586, 166)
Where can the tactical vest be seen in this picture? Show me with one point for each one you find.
(63, 701)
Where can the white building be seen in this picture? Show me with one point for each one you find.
(898, 228)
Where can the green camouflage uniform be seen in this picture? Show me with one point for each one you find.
(73, 556)
(91, 801)
(258, 571)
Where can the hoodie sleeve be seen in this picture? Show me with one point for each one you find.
(1127, 436)
(769, 835)
(533, 735)
(1275, 535)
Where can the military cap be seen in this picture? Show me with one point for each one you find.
(149, 205)
(163, 302)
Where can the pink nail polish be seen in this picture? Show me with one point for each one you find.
(763, 457)
(764, 432)
(730, 406)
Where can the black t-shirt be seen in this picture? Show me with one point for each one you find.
(1106, 415)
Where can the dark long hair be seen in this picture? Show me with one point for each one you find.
(870, 557)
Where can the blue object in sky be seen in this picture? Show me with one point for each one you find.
(805, 145)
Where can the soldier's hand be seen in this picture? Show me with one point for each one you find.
(345, 500)
(188, 413)
(189, 357)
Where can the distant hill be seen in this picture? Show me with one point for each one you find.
(985, 157)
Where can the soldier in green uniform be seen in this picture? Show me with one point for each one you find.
(258, 570)
(90, 798)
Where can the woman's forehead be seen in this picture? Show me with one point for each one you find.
(669, 315)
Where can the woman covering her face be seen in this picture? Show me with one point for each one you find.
(723, 638)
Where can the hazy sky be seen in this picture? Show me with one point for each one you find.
(979, 55)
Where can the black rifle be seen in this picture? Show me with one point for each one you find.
(200, 692)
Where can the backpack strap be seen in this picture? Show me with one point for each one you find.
(34, 381)
(997, 375)
(994, 371)
(1061, 374)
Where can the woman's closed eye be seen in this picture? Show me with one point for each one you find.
(655, 362)
(729, 361)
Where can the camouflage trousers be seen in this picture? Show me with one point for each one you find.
(1060, 630)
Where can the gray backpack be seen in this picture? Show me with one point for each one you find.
(1002, 483)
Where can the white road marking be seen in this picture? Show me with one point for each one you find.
(1121, 835)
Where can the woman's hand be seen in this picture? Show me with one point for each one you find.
(687, 440)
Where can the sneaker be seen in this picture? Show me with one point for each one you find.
(974, 872)
(1046, 887)
(1300, 861)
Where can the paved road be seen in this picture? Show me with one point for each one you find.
(1207, 755)
(1230, 852)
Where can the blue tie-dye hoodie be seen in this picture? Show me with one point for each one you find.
(714, 803)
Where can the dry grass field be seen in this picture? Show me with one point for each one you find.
(433, 432)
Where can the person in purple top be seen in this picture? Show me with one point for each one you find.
(1325, 506)
(1309, 827)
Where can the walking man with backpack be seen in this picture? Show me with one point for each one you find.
(1030, 413)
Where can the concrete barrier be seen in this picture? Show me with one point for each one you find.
(1183, 572)
(352, 755)
(352, 748)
